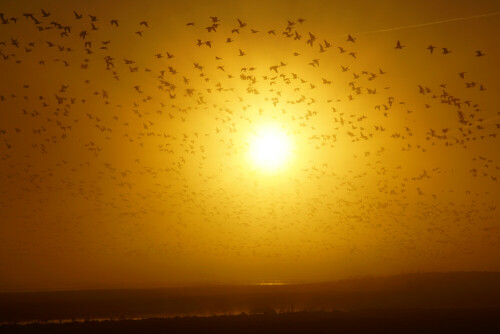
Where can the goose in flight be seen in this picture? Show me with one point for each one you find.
(241, 23)
(399, 45)
(311, 39)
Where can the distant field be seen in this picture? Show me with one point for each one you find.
(363, 321)
(415, 291)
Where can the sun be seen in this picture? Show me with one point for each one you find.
(270, 148)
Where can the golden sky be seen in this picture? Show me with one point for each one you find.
(126, 146)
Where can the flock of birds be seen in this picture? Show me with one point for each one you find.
(112, 139)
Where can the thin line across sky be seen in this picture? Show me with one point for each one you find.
(428, 23)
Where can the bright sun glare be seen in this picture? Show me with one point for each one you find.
(270, 148)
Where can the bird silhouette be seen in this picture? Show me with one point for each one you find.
(241, 23)
(311, 39)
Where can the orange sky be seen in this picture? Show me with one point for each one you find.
(122, 167)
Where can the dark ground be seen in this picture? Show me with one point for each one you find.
(467, 302)
(366, 321)
(412, 291)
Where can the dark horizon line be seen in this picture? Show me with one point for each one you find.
(213, 284)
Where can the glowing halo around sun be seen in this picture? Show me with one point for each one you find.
(270, 148)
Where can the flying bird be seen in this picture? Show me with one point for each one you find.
(241, 23)
(351, 39)
(311, 39)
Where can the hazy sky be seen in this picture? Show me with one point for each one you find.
(125, 147)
